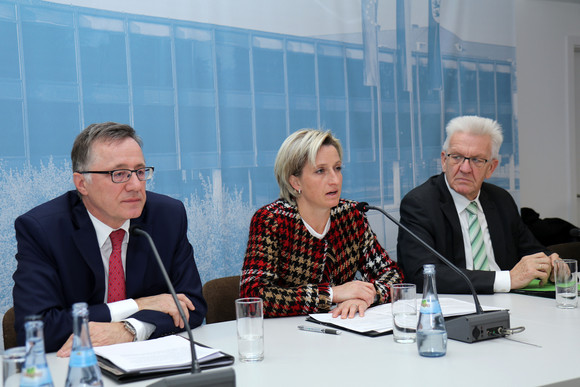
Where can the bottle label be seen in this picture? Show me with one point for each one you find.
(82, 358)
(430, 307)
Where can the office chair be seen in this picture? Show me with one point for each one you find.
(220, 295)
(8, 330)
(569, 250)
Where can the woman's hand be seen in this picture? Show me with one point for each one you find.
(353, 290)
(348, 309)
(352, 297)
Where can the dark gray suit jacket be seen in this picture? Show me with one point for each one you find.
(428, 210)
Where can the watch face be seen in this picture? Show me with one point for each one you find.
(131, 329)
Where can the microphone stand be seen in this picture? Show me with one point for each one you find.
(470, 328)
(226, 377)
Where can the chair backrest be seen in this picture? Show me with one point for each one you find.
(569, 250)
(220, 295)
(8, 330)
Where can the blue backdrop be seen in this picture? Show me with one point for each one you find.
(214, 102)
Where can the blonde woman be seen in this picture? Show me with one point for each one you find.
(310, 249)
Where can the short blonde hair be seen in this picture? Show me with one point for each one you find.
(299, 148)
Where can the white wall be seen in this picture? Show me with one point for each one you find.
(546, 159)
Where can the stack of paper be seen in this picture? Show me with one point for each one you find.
(378, 320)
(169, 354)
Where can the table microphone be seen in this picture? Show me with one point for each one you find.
(217, 378)
(469, 328)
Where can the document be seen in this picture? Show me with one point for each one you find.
(378, 320)
(535, 289)
(162, 353)
(152, 358)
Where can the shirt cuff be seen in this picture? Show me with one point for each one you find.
(330, 294)
(120, 310)
(143, 330)
(503, 282)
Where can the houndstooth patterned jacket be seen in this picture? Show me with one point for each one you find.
(293, 271)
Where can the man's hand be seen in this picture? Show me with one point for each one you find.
(164, 303)
(530, 267)
(354, 290)
(101, 334)
(553, 257)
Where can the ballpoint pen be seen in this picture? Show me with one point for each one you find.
(319, 330)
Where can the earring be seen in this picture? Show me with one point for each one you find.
(299, 192)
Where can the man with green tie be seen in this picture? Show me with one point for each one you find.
(475, 224)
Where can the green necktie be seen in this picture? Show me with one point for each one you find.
(476, 239)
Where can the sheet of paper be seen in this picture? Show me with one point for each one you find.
(165, 352)
(379, 318)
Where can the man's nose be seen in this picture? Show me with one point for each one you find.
(465, 165)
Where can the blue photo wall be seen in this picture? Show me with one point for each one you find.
(213, 103)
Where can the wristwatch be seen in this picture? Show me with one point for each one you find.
(131, 329)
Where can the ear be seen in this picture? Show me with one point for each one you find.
(443, 161)
(80, 183)
(493, 165)
(295, 182)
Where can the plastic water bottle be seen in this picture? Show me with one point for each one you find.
(35, 372)
(83, 369)
(431, 332)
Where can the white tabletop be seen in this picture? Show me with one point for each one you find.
(298, 358)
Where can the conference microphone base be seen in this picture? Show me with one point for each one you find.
(478, 327)
(213, 378)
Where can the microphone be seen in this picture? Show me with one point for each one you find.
(225, 377)
(469, 328)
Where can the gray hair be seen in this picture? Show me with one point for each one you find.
(107, 131)
(299, 148)
(480, 126)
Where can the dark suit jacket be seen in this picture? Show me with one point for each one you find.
(429, 211)
(59, 264)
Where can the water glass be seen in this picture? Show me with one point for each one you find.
(250, 324)
(12, 364)
(404, 308)
(566, 279)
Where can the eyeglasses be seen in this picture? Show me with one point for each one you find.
(456, 159)
(124, 175)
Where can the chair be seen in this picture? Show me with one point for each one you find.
(569, 250)
(8, 330)
(220, 295)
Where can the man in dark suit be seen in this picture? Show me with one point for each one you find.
(77, 248)
(475, 225)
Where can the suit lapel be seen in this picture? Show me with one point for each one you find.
(85, 239)
(450, 212)
(493, 219)
(137, 261)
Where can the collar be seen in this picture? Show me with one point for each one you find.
(460, 201)
(103, 231)
(313, 232)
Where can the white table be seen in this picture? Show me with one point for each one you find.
(298, 358)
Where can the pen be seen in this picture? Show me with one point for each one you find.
(319, 330)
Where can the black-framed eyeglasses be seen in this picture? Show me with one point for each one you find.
(124, 175)
(456, 159)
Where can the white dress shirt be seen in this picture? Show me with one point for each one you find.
(502, 281)
(120, 310)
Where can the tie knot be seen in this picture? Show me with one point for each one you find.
(472, 208)
(117, 236)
